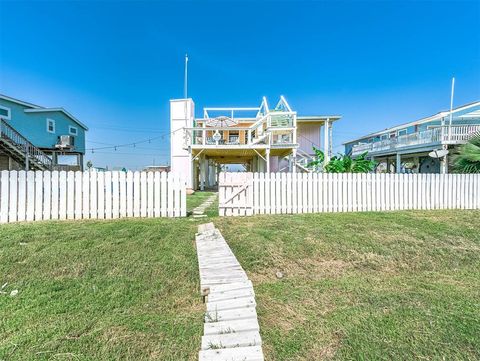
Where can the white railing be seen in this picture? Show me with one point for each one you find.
(460, 132)
(287, 193)
(34, 196)
(278, 125)
(22, 145)
(454, 134)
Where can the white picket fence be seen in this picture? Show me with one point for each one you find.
(286, 193)
(33, 196)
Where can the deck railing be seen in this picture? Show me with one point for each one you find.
(9, 135)
(449, 135)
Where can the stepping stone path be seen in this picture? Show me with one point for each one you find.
(231, 330)
(199, 212)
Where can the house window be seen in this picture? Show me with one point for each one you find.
(4, 112)
(402, 132)
(72, 130)
(50, 125)
(384, 137)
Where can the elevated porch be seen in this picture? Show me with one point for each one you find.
(422, 140)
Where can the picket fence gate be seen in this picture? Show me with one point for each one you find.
(286, 193)
(45, 195)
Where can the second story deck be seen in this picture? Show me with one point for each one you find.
(456, 134)
(422, 135)
(265, 128)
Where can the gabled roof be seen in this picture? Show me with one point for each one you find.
(38, 109)
(439, 115)
(21, 102)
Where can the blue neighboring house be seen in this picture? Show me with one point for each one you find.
(405, 148)
(38, 138)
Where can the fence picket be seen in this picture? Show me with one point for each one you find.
(86, 195)
(163, 200)
(108, 195)
(22, 190)
(157, 185)
(55, 195)
(151, 195)
(70, 195)
(122, 188)
(101, 195)
(13, 199)
(47, 196)
(129, 194)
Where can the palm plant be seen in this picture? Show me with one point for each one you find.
(342, 163)
(468, 158)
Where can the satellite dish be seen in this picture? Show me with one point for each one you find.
(438, 153)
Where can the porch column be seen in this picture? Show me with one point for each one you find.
(293, 165)
(326, 137)
(203, 171)
(444, 163)
(398, 163)
(267, 157)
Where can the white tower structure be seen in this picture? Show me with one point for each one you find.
(182, 113)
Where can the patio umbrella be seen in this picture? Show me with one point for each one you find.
(221, 122)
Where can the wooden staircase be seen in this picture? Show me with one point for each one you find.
(15, 145)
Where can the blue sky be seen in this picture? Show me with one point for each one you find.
(115, 65)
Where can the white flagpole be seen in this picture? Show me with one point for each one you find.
(186, 77)
(451, 109)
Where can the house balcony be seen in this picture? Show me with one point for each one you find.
(255, 136)
(457, 134)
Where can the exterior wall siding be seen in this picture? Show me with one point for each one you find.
(33, 126)
(308, 135)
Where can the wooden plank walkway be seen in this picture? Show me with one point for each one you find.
(231, 330)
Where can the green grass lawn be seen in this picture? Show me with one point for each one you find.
(367, 286)
(100, 290)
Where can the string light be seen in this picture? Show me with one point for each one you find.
(133, 144)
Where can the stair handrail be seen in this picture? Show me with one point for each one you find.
(14, 137)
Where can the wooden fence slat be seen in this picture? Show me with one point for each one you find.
(4, 199)
(170, 198)
(70, 195)
(156, 195)
(13, 199)
(143, 194)
(163, 200)
(86, 195)
(130, 194)
(47, 195)
(122, 188)
(150, 194)
(55, 195)
(101, 195)
(136, 194)
(108, 195)
(78, 195)
(38, 212)
(115, 195)
(93, 195)
(22, 194)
